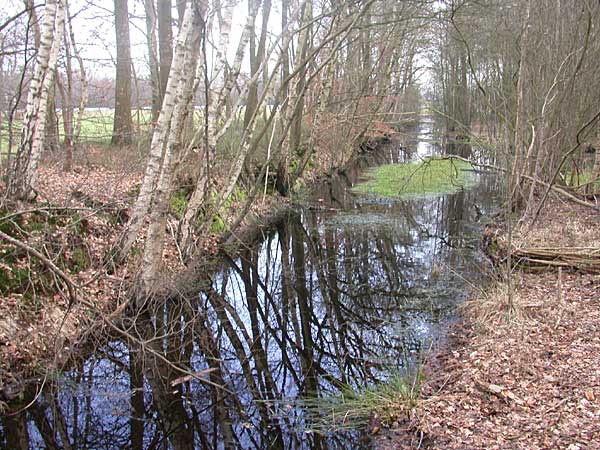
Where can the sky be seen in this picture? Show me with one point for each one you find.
(93, 24)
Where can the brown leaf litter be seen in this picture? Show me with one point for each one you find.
(526, 377)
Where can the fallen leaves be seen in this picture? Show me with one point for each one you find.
(531, 384)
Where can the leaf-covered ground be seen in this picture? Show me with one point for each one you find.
(525, 380)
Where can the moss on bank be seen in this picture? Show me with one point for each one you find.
(427, 177)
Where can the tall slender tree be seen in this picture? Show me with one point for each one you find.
(123, 124)
(23, 174)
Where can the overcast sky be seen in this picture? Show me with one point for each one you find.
(93, 22)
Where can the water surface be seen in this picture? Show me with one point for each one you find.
(347, 291)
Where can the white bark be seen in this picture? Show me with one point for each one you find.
(218, 81)
(33, 136)
(159, 138)
(83, 78)
(155, 239)
(151, 27)
(237, 61)
(216, 125)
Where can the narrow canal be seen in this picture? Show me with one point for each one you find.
(348, 292)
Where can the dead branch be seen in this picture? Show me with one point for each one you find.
(552, 187)
(71, 286)
(574, 258)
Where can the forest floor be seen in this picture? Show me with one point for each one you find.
(526, 377)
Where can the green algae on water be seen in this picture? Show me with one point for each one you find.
(419, 179)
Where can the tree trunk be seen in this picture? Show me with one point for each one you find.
(123, 124)
(281, 178)
(596, 168)
(24, 173)
(165, 42)
(220, 90)
(256, 58)
(159, 142)
(155, 238)
(516, 194)
(295, 106)
(151, 25)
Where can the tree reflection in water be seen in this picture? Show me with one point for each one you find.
(331, 298)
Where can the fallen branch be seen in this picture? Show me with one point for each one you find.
(577, 258)
(499, 391)
(71, 286)
(552, 187)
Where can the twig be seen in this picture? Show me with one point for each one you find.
(552, 187)
(71, 286)
(561, 299)
(175, 241)
(558, 405)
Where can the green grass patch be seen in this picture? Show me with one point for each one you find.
(96, 127)
(418, 179)
(353, 408)
(219, 225)
(179, 202)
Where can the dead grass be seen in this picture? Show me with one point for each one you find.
(487, 308)
(561, 224)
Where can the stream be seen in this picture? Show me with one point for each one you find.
(347, 292)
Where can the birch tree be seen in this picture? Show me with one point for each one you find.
(71, 122)
(151, 20)
(153, 249)
(220, 89)
(162, 144)
(23, 175)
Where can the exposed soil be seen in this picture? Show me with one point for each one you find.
(526, 377)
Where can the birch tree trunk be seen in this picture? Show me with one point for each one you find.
(155, 238)
(151, 27)
(159, 142)
(218, 81)
(515, 173)
(24, 173)
(71, 123)
(256, 58)
(221, 89)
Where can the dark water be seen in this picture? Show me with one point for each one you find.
(346, 292)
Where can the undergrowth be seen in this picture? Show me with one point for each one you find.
(57, 234)
(353, 408)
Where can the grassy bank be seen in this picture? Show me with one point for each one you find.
(379, 405)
